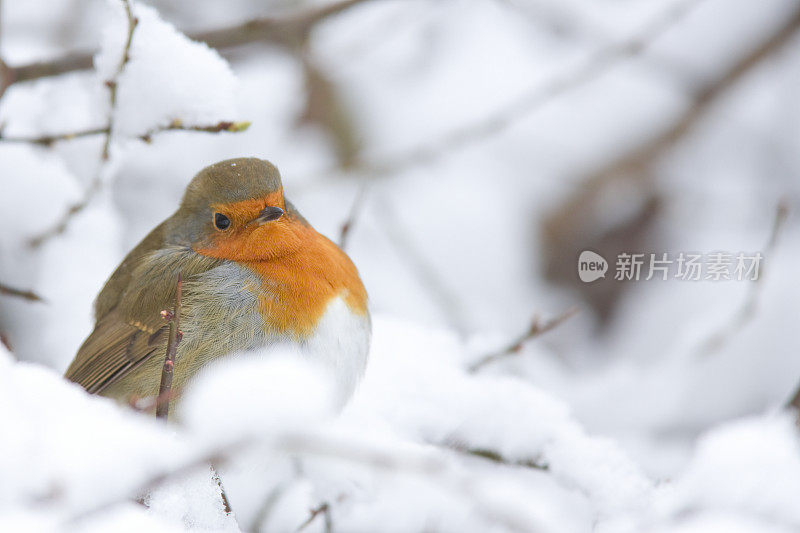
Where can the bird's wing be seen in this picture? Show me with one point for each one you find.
(133, 330)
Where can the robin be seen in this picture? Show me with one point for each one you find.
(255, 273)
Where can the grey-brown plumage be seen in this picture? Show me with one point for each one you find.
(254, 273)
(129, 327)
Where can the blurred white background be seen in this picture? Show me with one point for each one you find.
(475, 149)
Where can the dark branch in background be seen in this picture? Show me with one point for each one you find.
(355, 210)
(323, 509)
(600, 63)
(747, 311)
(648, 152)
(290, 31)
(174, 318)
(5, 342)
(536, 329)
(794, 403)
(326, 109)
(574, 225)
(29, 295)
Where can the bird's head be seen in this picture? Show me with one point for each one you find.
(235, 210)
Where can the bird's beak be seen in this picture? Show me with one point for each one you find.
(269, 213)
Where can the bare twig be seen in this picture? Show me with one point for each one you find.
(322, 509)
(355, 211)
(226, 505)
(219, 127)
(175, 125)
(536, 329)
(495, 457)
(61, 225)
(747, 311)
(174, 318)
(29, 295)
(49, 140)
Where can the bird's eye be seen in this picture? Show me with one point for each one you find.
(221, 222)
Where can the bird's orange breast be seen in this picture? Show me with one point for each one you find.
(297, 288)
(301, 271)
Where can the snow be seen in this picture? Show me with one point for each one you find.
(622, 427)
(167, 78)
(269, 391)
(73, 441)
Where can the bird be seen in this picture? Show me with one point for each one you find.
(254, 274)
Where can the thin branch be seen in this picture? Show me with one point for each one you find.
(49, 140)
(63, 222)
(267, 506)
(226, 504)
(745, 314)
(289, 31)
(324, 446)
(174, 318)
(536, 329)
(29, 295)
(323, 509)
(175, 125)
(355, 211)
(113, 83)
(430, 279)
(495, 457)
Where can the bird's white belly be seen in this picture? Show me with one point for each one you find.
(223, 318)
(341, 344)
